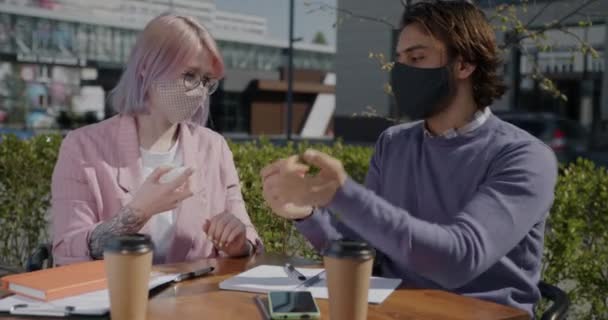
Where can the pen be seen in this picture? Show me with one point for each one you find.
(194, 274)
(312, 280)
(36, 310)
(293, 272)
(181, 277)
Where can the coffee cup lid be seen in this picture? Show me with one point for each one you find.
(349, 249)
(132, 243)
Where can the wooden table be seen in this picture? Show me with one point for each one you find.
(202, 299)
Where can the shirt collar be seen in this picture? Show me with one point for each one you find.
(479, 118)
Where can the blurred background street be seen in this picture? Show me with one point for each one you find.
(60, 58)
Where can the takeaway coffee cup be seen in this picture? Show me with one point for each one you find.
(348, 265)
(128, 262)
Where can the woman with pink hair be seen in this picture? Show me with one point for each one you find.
(154, 168)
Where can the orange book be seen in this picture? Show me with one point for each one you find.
(60, 282)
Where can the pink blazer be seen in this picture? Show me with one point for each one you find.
(99, 169)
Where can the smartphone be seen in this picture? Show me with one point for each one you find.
(292, 305)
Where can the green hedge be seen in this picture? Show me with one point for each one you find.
(26, 168)
(576, 255)
(576, 240)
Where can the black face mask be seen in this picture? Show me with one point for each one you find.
(420, 92)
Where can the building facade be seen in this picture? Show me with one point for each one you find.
(60, 47)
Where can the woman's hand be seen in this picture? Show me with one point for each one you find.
(228, 234)
(154, 197)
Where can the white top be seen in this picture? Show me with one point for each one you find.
(162, 225)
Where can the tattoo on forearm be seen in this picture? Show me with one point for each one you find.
(127, 221)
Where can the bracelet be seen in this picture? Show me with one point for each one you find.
(308, 216)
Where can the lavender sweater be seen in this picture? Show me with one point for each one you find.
(465, 214)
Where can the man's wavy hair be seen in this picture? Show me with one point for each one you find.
(466, 32)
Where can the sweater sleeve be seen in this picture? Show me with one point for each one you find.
(323, 225)
(516, 195)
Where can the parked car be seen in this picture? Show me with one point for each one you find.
(21, 134)
(566, 137)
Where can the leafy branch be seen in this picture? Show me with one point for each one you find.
(345, 13)
(517, 31)
(539, 13)
(585, 47)
(506, 19)
(523, 30)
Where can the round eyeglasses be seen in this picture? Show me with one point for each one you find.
(193, 81)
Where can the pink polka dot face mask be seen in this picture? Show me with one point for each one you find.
(175, 101)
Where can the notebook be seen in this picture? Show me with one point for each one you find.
(265, 278)
(94, 303)
(60, 282)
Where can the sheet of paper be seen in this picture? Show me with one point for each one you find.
(266, 278)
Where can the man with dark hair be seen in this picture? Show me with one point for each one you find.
(456, 201)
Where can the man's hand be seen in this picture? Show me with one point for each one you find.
(291, 193)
